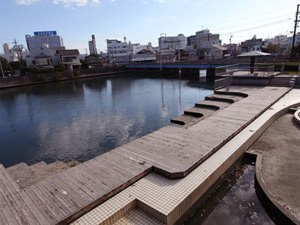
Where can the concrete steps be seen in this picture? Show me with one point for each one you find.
(280, 81)
(206, 108)
(26, 176)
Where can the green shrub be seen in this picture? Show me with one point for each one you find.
(41, 77)
(77, 73)
(57, 76)
(70, 74)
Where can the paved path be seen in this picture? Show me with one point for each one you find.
(279, 165)
(171, 151)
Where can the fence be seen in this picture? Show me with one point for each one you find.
(238, 70)
(222, 83)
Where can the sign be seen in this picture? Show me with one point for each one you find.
(44, 33)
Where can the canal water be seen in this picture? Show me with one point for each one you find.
(234, 201)
(81, 119)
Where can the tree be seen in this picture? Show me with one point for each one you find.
(84, 64)
(5, 66)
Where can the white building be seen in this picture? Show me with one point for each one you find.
(172, 42)
(42, 57)
(143, 53)
(70, 58)
(13, 54)
(290, 40)
(118, 52)
(44, 37)
(92, 46)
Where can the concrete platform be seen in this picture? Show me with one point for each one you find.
(278, 165)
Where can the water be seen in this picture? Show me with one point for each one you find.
(81, 119)
(233, 202)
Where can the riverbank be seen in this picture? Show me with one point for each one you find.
(26, 81)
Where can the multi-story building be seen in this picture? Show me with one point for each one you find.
(6, 48)
(92, 46)
(191, 41)
(172, 42)
(254, 44)
(49, 38)
(205, 39)
(118, 52)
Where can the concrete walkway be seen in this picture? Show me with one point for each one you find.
(278, 166)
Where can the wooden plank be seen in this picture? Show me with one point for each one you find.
(2, 218)
(146, 157)
(85, 182)
(70, 191)
(106, 179)
(163, 152)
(13, 199)
(47, 202)
(11, 219)
(121, 165)
(40, 205)
(69, 206)
(34, 209)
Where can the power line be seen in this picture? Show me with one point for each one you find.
(257, 27)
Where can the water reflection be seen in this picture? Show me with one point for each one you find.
(234, 202)
(84, 118)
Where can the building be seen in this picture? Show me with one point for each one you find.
(118, 52)
(92, 46)
(46, 57)
(70, 58)
(191, 41)
(253, 44)
(205, 39)
(218, 52)
(6, 48)
(49, 38)
(143, 53)
(290, 40)
(172, 42)
(15, 53)
(43, 57)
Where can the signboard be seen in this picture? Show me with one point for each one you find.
(44, 33)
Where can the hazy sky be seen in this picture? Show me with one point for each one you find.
(143, 21)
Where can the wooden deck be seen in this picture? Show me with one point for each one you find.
(170, 151)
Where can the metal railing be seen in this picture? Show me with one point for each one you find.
(223, 83)
(238, 70)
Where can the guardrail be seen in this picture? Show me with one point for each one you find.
(223, 83)
(237, 69)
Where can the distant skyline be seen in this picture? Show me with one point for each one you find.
(143, 21)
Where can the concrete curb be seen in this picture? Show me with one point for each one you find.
(267, 197)
(297, 116)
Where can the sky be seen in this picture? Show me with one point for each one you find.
(143, 21)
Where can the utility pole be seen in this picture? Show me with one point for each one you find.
(294, 36)
(17, 47)
(1, 68)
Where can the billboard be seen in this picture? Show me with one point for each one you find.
(44, 33)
